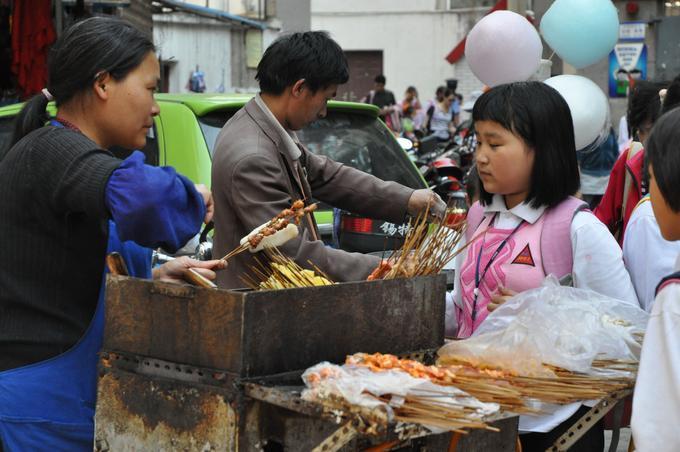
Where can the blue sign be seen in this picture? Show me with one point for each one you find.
(627, 64)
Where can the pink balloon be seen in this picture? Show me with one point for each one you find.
(503, 47)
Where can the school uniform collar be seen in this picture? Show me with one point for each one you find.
(523, 211)
(289, 139)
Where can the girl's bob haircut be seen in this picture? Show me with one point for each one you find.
(539, 115)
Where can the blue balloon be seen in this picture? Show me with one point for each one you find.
(581, 32)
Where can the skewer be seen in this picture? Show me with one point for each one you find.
(240, 249)
(294, 213)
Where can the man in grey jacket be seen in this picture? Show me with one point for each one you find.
(260, 167)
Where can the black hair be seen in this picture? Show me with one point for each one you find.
(440, 90)
(644, 105)
(539, 115)
(380, 79)
(472, 184)
(312, 56)
(663, 152)
(447, 92)
(86, 50)
(672, 98)
(412, 89)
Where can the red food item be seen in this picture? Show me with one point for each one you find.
(380, 272)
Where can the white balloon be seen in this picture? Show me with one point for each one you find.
(588, 104)
(503, 47)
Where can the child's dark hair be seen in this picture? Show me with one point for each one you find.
(539, 115)
(380, 79)
(87, 50)
(472, 184)
(644, 105)
(672, 98)
(312, 56)
(663, 154)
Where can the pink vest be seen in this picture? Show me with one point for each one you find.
(533, 252)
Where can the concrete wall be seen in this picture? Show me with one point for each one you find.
(190, 40)
(292, 15)
(414, 36)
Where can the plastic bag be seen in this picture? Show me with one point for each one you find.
(561, 326)
(359, 386)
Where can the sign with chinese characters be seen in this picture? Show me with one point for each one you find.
(392, 229)
(632, 31)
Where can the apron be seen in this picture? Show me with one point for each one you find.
(514, 260)
(49, 405)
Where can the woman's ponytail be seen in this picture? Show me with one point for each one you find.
(32, 117)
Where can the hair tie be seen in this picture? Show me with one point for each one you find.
(47, 95)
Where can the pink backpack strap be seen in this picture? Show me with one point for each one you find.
(475, 216)
(556, 247)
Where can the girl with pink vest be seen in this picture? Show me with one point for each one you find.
(527, 223)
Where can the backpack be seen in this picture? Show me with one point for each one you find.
(556, 250)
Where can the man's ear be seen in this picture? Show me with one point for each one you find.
(101, 81)
(298, 88)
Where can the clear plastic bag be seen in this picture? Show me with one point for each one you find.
(359, 386)
(557, 325)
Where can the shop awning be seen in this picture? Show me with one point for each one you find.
(174, 5)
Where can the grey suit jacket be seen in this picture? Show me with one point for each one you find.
(256, 174)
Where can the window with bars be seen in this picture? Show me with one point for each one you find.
(463, 4)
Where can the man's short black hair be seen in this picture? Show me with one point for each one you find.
(312, 56)
(644, 104)
(663, 153)
(539, 115)
(380, 79)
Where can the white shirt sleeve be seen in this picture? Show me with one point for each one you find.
(656, 402)
(623, 134)
(598, 262)
(648, 257)
(454, 297)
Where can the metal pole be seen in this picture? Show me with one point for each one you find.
(58, 16)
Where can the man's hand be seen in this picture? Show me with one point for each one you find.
(207, 200)
(421, 199)
(501, 297)
(173, 271)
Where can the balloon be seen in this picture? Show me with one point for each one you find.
(588, 105)
(503, 47)
(581, 32)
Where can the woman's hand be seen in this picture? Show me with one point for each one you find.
(173, 271)
(207, 200)
(503, 295)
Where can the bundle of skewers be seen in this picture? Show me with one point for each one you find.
(276, 232)
(352, 391)
(281, 272)
(427, 248)
(511, 391)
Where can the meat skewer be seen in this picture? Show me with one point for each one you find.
(275, 232)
